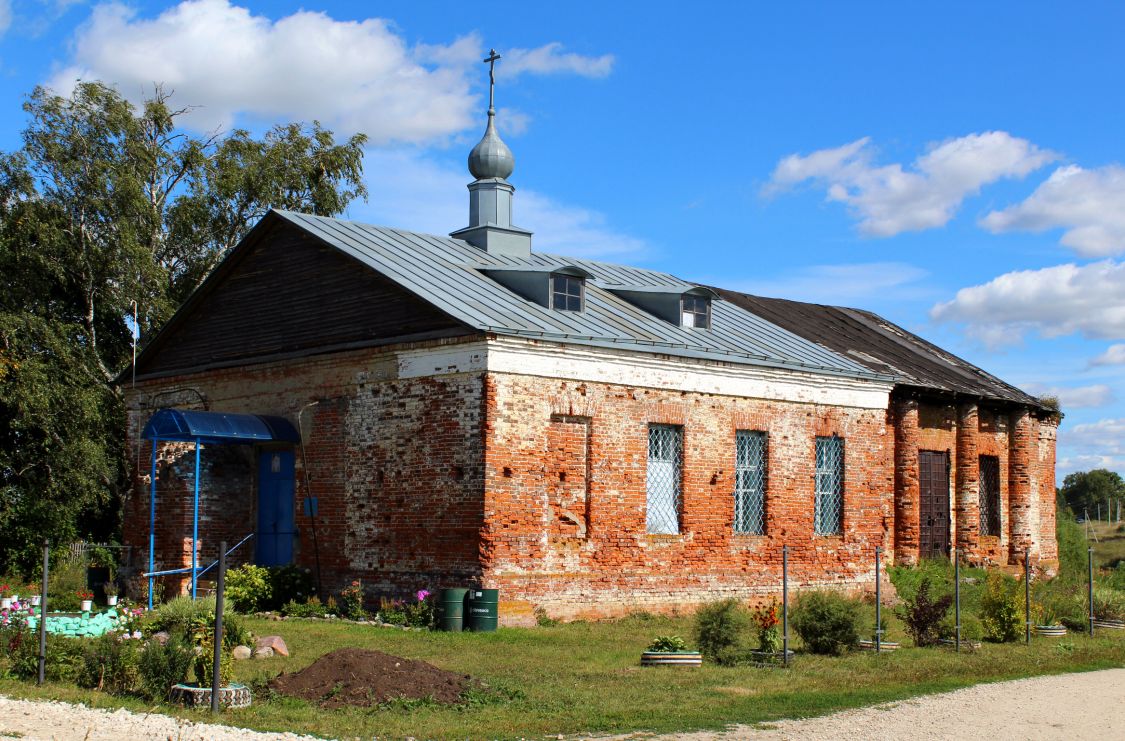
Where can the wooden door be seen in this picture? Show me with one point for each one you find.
(933, 479)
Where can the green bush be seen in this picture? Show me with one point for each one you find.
(721, 631)
(1072, 547)
(161, 666)
(667, 644)
(248, 588)
(1001, 609)
(111, 664)
(182, 614)
(65, 656)
(65, 580)
(827, 622)
(310, 609)
(290, 583)
(1109, 604)
(923, 615)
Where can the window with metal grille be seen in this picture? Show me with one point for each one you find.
(750, 482)
(695, 311)
(829, 485)
(566, 292)
(665, 461)
(989, 495)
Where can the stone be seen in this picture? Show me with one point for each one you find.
(161, 637)
(241, 652)
(263, 653)
(274, 642)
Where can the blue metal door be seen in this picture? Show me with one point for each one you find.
(276, 525)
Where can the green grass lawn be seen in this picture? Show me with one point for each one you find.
(586, 678)
(1109, 547)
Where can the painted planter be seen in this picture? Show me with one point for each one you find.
(194, 696)
(5, 603)
(771, 657)
(671, 658)
(87, 605)
(111, 600)
(1110, 624)
(866, 645)
(1051, 631)
(35, 600)
(965, 643)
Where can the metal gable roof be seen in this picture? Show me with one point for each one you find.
(452, 275)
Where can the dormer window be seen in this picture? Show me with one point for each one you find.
(567, 292)
(695, 311)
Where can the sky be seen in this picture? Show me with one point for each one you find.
(958, 167)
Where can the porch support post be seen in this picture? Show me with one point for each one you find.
(195, 524)
(152, 522)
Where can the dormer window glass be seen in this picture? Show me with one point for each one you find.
(567, 292)
(695, 311)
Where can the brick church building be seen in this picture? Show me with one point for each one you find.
(589, 438)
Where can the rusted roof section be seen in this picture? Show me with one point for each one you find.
(882, 346)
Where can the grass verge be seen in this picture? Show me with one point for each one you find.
(585, 678)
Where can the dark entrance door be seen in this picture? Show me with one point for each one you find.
(276, 524)
(933, 480)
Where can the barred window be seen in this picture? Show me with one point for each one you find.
(750, 482)
(566, 292)
(828, 517)
(989, 495)
(665, 463)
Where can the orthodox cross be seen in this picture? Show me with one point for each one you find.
(492, 59)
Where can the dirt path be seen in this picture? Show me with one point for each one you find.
(1089, 705)
(1068, 706)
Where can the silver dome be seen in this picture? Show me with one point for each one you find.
(491, 157)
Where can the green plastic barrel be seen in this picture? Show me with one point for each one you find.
(451, 609)
(481, 611)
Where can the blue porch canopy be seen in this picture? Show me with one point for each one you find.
(191, 426)
(203, 428)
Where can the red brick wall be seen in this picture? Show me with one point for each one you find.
(542, 433)
(396, 466)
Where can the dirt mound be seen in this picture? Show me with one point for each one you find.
(358, 676)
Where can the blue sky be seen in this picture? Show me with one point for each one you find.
(957, 168)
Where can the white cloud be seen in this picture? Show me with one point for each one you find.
(351, 75)
(1088, 204)
(1074, 397)
(550, 59)
(1113, 355)
(5, 16)
(837, 284)
(1055, 301)
(1098, 444)
(888, 199)
(428, 196)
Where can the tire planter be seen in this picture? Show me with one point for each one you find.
(770, 658)
(671, 658)
(193, 696)
(965, 643)
(1110, 624)
(1051, 631)
(866, 645)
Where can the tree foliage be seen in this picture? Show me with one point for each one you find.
(106, 204)
(1083, 491)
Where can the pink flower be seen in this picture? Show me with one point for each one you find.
(422, 595)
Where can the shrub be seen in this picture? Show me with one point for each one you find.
(1072, 547)
(203, 636)
(183, 614)
(667, 643)
(248, 588)
(923, 615)
(1000, 609)
(310, 609)
(111, 664)
(392, 611)
(65, 580)
(289, 583)
(65, 656)
(1109, 604)
(161, 666)
(827, 622)
(351, 601)
(721, 629)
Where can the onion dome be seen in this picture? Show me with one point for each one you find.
(491, 157)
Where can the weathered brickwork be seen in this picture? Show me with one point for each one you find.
(1025, 448)
(565, 496)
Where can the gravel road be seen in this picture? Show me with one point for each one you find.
(1068, 706)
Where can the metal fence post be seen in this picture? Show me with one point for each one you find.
(43, 613)
(1090, 588)
(220, 587)
(878, 604)
(785, 605)
(1027, 595)
(957, 599)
